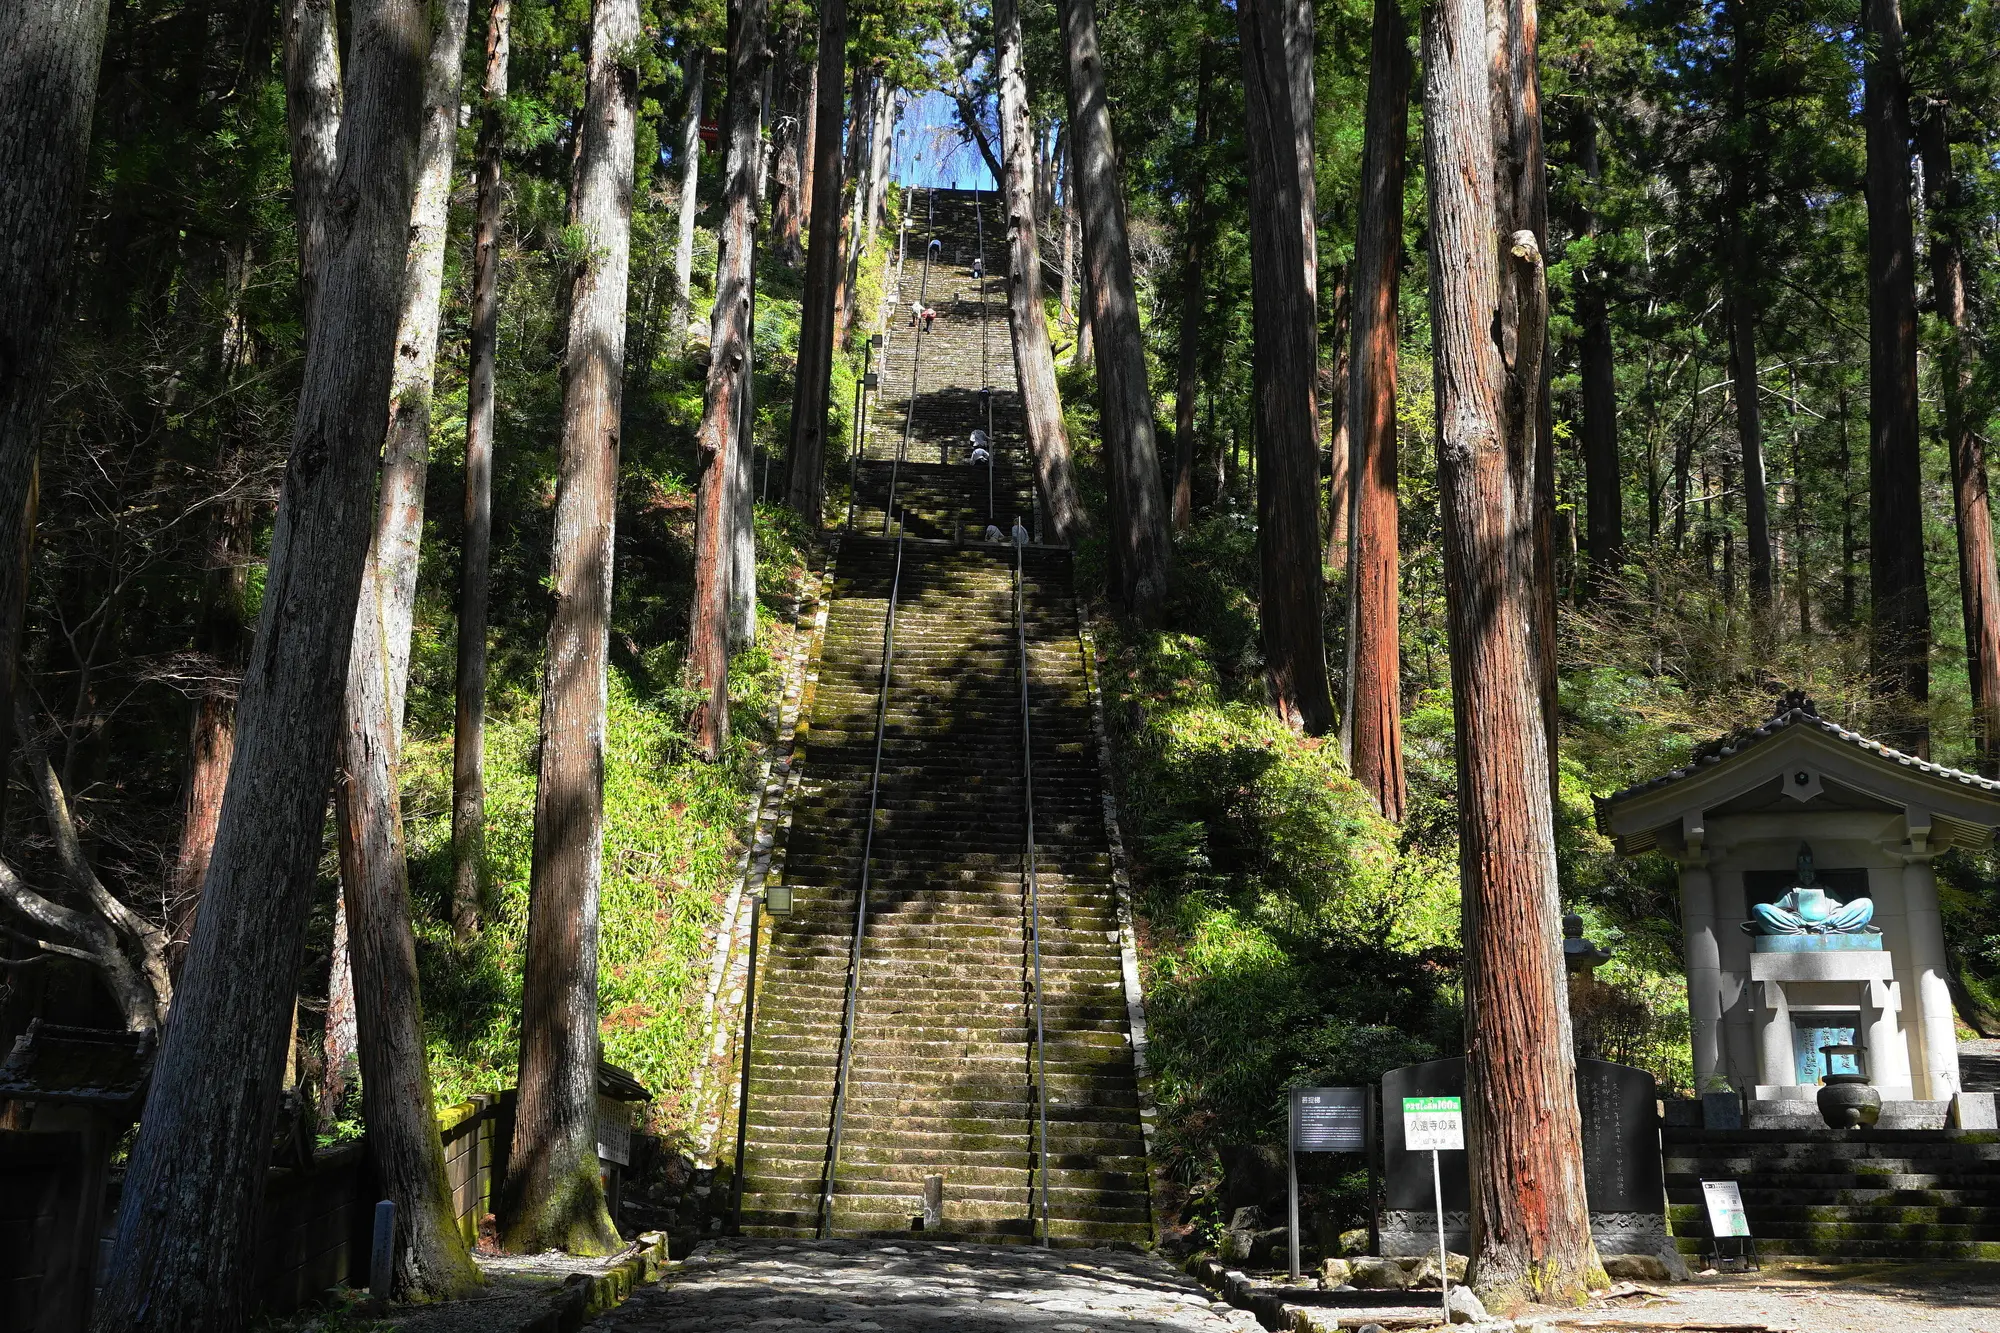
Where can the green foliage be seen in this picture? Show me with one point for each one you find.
(1289, 935)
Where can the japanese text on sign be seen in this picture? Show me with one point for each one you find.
(1725, 1208)
(1433, 1124)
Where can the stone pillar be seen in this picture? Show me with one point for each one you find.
(1776, 1063)
(1888, 1054)
(1739, 1037)
(1927, 965)
(1704, 968)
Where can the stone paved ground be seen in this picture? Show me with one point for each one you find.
(1855, 1298)
(909, 1286)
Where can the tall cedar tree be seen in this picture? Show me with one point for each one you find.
(788, 205)
(184, 1233)
(1333, 386)
(1138, 548)
(1900, 601)
(1194, 240)
(312, 121)
(1978, 579)
(860, 148)
(1530, 1223)
(554, 1199)
(396, 1095)
(1742, 309)
(720, 442)
(694, 75)
(475, 568)
(1371, 730)
(1521, 203)
(1277, 44)
(312, 124)
(813, 386)
(1034, 361)
(1604, 481)
(49, 54)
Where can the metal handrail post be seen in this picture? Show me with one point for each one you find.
(860, 440)
(916, 364)
(1034, 880)
(860, 911)
(743, 1095)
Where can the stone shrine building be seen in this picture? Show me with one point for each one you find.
(1810, 912)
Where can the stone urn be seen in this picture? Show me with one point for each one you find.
(1845, 1100)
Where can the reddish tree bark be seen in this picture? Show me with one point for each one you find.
(860, 139)
(1277, 44)
(1372, 723)
(1521, 203)
(185, 1235)
(1530, 1224)
(1900, 601)
(1034, 362)
(1139, 547)
(720, 442)
(806, 492)
(1339, 436)
(1194, 237)
(554, 1199)
(1978, 579)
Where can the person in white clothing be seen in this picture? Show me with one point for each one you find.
(1020, 532)
(993, 533)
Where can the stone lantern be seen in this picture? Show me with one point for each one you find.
(1809, 910)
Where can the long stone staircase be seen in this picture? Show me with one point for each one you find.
(944, 1078)
(1826, 1194)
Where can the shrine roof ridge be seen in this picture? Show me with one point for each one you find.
(1794, 709)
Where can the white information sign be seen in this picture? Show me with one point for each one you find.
(1433, 1124)
(1725, 1208)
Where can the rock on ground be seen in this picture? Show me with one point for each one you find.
(906, 1286)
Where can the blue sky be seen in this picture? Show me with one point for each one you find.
(928, 150)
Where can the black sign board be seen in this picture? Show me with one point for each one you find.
(1621, 1139)
(1330, 1119)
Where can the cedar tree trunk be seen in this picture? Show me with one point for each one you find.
(1978, 580)
(554, 1199)
(1139, 547)
(1521, 203)
(720, 439)
(860, 149)
(1277, 42)
(396, 1095)
(788, 204)
(49, 54)
(1371, 730)
(806, 488)
(1187, 385)
(475, 573)
(1603, 484)
(1034, 362)
(694, 69)
(1530, 1224)
(1900, 602)
(185, 1228)
(312, 123)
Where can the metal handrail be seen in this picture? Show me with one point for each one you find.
(985, 374)
(1034, 880)
(860, 911)
(916, 363)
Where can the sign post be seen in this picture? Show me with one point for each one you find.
(1726, 1219)
(1436, 1124)
(1324, 1120)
